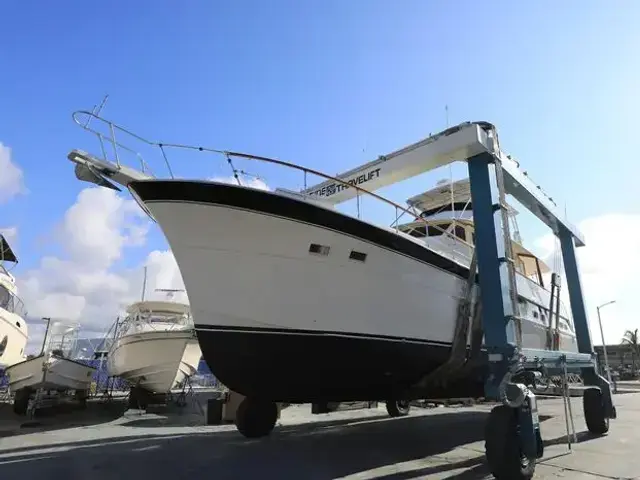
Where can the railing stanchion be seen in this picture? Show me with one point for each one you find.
(115, 144)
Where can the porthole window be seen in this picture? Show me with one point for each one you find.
(3, 345)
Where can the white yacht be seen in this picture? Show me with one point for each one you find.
(155, 347)
(295, 301)
(13, 326)
(445, 225)
(52, 370)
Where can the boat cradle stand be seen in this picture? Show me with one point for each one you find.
(512, 437)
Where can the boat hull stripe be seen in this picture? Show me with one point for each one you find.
(273, 204)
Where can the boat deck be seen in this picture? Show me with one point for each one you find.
(431, 443)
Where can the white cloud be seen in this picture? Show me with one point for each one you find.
(11, 234)
(85, 285)
(11, 176)
(251, 182)
(608, 267)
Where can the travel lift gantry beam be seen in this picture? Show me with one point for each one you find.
(512, 436)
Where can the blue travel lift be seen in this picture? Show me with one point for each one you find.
(512, 435)
(513, 440)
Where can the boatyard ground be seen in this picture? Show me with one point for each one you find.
(104, 442)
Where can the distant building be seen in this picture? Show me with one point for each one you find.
(619, 356)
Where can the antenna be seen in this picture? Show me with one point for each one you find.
(169, 291)
(96, 110)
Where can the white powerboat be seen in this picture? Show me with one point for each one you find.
(295, 301)
(155, 348)
(52, 370)
(13, 326)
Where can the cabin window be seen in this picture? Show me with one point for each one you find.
(418, 232)
(3, 344)
(5, 298)
(460, 232)
(357, 256)
(436, 230)
(319, 249)
(535, 314)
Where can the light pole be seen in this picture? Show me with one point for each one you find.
(604, 345)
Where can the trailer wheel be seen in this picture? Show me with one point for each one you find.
(502, 446)
(594, 412)
(256, 418)
(398, 408)
(138, 398)
(81, 397)
(21, 401)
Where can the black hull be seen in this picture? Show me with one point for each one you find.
(315, 367)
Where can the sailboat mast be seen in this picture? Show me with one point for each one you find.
(144, 284)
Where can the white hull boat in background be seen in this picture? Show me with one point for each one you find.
(52, 370)
(155, 348)
(13, 326)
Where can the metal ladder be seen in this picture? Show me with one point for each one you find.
(508, 251)
(469, 313)
(553, 338)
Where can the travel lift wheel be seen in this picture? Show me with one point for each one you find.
(398, 408)
(594, 411)
(256, 418)
(503, 448)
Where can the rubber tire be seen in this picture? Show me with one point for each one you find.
(594, 412)
(81, 397)
(256, 418)
(138, 398)
(21, 401)
(398, 408)
(502, 446)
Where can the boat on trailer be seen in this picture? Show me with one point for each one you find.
(297, 302)
(155, 349)
(47, 377)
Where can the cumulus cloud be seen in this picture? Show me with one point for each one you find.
(85, 284)
(11, 176)
(608, 266)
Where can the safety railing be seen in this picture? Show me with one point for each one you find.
(15, 305)
(87, 120)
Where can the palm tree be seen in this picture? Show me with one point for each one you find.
(632, 340)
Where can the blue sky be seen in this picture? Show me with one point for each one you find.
(329, 84)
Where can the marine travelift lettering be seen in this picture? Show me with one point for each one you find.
(334, 188)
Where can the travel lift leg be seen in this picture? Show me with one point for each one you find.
(512, 437)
